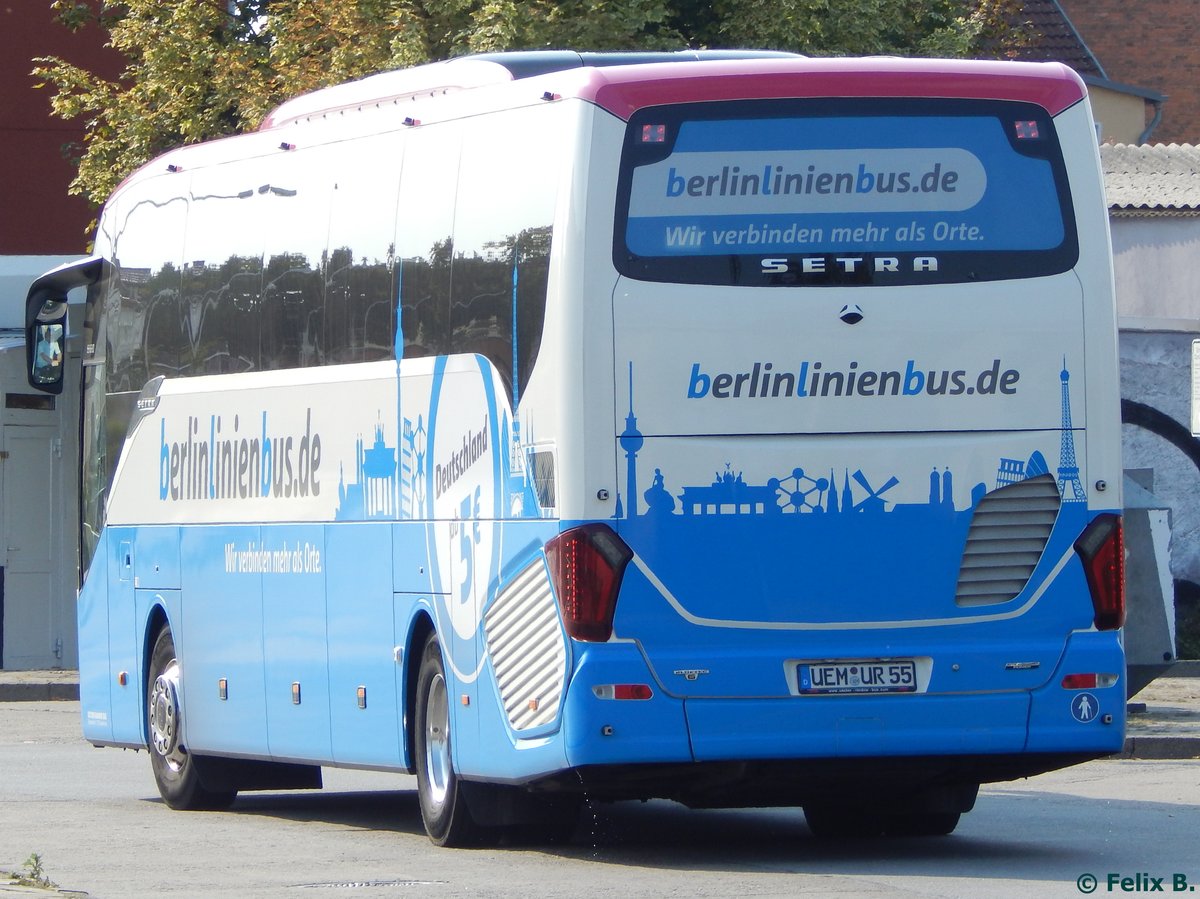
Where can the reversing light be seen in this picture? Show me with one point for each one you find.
(586, 565)
(1101, 547)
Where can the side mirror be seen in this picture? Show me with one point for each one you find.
(45, 346)
(46, 320)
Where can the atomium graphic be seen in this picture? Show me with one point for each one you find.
(799, 493)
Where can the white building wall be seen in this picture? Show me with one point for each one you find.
(39, 509)
(1157, 265)
(1157, 268)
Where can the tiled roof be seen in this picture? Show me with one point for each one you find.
(1052, 37)
(1158, 179)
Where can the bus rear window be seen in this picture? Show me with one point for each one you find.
(829, 192)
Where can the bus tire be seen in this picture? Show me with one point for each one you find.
(835, 821)
(176, 771)
(444, 810)
(922, 824)
(554, 823)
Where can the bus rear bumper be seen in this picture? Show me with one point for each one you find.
(603, 731)
(1060, 716)
(1065, 717)
(857, 726)
(1054, 719)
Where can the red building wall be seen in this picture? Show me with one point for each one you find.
(37, 217)
(1153, 44)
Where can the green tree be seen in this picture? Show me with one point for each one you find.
(198, 69)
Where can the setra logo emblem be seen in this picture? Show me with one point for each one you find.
(690, 673)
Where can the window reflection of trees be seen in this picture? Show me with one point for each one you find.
(462, 257)
(292, 313)
(508, 279)
(219, 316)
(239, 316)
(359, 307)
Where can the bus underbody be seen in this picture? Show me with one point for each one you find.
(945, 783)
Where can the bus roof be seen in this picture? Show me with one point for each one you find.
(479, 70)
(622, 91)
(625, 82)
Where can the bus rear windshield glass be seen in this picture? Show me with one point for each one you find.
(843, 192)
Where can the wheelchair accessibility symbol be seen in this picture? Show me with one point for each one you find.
(1084, 707)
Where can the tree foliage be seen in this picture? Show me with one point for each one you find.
(198, 69)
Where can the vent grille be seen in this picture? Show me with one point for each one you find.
(1008, 532)
(527, 649)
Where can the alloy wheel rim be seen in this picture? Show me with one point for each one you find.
(165, 717)
(437, 740)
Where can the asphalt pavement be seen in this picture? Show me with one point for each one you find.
(1163, 723)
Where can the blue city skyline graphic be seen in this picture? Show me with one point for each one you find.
(801, 491)
(389, 477)
(385, 485)
(372, 495)
(855, 541)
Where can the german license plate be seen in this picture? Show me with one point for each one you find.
(884, 676)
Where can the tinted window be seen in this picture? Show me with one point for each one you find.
(502, 233)
(142, 310)
(360, 301)
(219, 312)
(845, 191)
(294, 212)
(425, 237)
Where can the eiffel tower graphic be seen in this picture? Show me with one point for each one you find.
(1069, 486)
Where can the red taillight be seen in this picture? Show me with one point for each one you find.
(632, 691)
(586, 565)
(1088, 681)
(1102, 549)
(623, 691)
(1079, 682)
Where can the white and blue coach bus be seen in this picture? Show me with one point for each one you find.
(739, 429)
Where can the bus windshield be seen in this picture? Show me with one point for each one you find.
(843, 192)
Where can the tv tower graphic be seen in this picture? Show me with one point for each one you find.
(1068, 468)
(631, 441)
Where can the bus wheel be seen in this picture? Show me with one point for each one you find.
(921, 824)
(444, 809)
(554, 822)
(175, 769)
(840, 822)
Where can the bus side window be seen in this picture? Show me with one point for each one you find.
(424, 241)
(293, 311)
(294, 210)
(360, 299)
(502, 236)
(144, 325)
(222, 279)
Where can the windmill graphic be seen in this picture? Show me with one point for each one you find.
(874, 501)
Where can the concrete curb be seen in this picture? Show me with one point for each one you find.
(1187, 668)
(1161, 748)
(64, 691)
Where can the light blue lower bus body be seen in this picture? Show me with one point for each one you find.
(300, 643)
